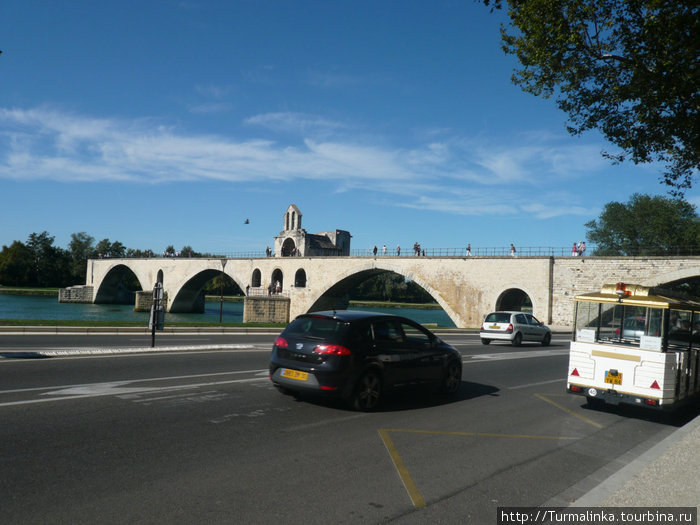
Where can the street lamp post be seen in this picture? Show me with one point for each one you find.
(221, 291)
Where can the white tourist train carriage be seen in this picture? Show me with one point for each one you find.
(635, 345)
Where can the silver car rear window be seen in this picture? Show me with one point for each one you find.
(498, 317)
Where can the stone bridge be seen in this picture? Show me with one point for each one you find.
(467, 288)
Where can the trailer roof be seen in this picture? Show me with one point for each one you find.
(646, 296)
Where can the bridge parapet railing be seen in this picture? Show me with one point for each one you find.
(263, 292)
(494, 251)
(477, 251)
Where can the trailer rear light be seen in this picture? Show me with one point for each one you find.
(575, 388)
(324, 387)
(510, 328)
(575, 373)
(331, 350)
(281, 342)
(655, 385)
(651, 402)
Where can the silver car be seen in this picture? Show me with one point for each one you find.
(514, 327)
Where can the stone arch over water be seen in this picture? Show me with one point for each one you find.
(190, 296)
(337, 295)
(113, 289)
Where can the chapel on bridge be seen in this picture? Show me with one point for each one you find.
(293, 240)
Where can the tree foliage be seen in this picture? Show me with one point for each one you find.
(646, 225)
(628, 68)
(391, 287)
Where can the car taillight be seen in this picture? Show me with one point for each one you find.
(510, 328)
(332, 350)
(281, 342)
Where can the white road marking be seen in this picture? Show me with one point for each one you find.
(119, 388)
(537, 384)
(514, 355)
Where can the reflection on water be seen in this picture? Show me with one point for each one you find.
(41, 307)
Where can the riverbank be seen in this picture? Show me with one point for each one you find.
(53, 292)
(44, 292)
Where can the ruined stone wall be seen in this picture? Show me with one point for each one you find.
(266, 309)
(76, 294)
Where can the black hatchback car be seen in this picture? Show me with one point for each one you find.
(359, 355)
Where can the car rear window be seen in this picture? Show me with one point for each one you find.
(317, 328)
(498, 317)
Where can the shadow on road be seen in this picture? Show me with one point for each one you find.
(676, 418)
(410, 397)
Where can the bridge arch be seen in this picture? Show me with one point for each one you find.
(513, 299)
(112, 289)
(300, 278)
(336, 295)
(683, 274)
(189, 297)
(277, 276)
(256, 278)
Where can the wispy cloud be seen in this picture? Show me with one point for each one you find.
(454, 175)
(297, 123)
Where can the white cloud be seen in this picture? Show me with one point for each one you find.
(455, 175)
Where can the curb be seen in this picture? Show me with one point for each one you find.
(630, 486)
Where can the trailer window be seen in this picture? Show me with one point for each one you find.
(617, 323)
(679, 329)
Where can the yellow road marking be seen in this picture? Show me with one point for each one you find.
(569, 411)
(407, 480)
(416, 498)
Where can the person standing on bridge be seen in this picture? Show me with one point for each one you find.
(469, 250)
(384, 250)
(512, 250)
(374, 250)
(398, 250)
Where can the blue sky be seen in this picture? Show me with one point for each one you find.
(158, 122)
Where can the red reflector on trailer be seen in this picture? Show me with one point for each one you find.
(575, 388)
(575, 373)
(651, 402)
(323, 387)
(655, 385)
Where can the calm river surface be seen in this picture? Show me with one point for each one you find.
(42, 307)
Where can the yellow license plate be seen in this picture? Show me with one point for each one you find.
(613, 379)
(295, 374)
(495, 327)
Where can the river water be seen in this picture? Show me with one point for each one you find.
(44, 307)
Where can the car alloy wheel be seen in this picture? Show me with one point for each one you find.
(518, 339)
(453, 378)
(368, 391)
(485, 341)
(546, 339)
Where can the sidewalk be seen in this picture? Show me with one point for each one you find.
(667, 475)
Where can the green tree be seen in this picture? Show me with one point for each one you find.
(628, 68)
(50, 265)
(646, 225)
(16, 265)
(81, 248)
(390, 287)
(105, 248)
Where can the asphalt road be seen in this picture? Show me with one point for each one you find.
(201, 436)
